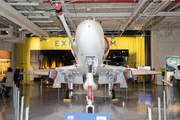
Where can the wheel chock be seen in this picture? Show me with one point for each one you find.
(67, 100)
(114, 100)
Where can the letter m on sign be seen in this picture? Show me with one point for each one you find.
(114, 43)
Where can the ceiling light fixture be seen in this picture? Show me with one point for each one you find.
(112, 36)
(158, 35)
(32, 34)
(10, 28)
(88, 9)
(20, 29)
(170, 34)
(142, 35)
(43, 39)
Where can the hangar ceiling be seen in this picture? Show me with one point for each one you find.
(117, 17)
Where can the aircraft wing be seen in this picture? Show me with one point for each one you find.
(119, 74)
(106, 68)
(72, 68)
(62, 74)
(144, 72)
(36, 72)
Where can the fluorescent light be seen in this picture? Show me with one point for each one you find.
(107, 5)
(25, 4)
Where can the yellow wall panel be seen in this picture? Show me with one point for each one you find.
(135, 45)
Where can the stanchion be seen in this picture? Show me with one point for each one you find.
(13, 93)
(27, 113)
(23, 86)
(164, 99)
(16, 100)
(75, 88)
(159, 108)
(167, 101)
(149, 114)
(41, 86)
(79, 87)
(22, 107)
(126, 92)
(143, 87)
(58, 91)
(18, 106)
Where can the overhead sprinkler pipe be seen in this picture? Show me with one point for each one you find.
(60, 14)
(103, 1)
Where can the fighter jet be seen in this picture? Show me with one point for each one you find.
(89, 49)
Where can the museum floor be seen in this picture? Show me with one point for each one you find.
(131, 106)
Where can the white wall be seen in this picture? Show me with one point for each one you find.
(165, 46)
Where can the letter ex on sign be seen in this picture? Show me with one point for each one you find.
(58, 43)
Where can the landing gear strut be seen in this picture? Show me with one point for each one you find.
(69, 92)
(111, 91)
(89, 97)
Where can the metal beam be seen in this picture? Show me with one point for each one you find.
(167, 14)
(158, 9)
(138, 7)
(13, 15)
(32, 12)
(25, 4)
(57, 28)
(43, 21)
(18, 0)
(38, 17)
(87, 1)
(100, 14)
(53, 30)
(103, 1)
(35, 12)
(92, 7)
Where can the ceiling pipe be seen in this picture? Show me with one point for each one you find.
(110, 1)
(163, 5)
(141, 14)
(139, 6)
(79, 2)
(12, 14)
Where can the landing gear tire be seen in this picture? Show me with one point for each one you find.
(67, 94)
(113, 94)
(90, 110)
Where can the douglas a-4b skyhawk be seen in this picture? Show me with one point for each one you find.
(90, 49)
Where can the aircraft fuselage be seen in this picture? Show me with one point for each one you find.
(89, 41)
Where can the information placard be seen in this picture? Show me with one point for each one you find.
(86, 116)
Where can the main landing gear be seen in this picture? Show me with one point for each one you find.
(111, 91)
(69, 92)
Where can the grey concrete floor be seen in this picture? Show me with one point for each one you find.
(130, 106)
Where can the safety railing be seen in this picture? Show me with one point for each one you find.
(16, 101)
(166, 102)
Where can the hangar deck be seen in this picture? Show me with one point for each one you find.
(131, 106)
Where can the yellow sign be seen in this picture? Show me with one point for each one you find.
(163, 71)
(135, 46)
